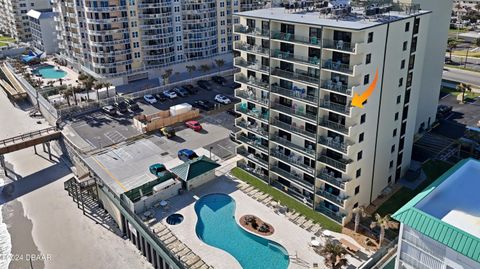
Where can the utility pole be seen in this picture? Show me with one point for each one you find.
(466, 59)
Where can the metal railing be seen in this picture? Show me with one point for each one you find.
(251, 65)
(337, 216)
(340, 201)
(325, 122)
(339, 45)
(312, 41)
(252, 81)
(294, 94)
(325, 176)
(296, 76)
(337, 66)
(241, 29)
(339, 164)
(257, 143)
(256, 114)
(256, 129)
(251, 156)
(291, 176)
(336, 87)
(28, 135)
(289, 127)
(252, 97)
(315, 61)
(340, 108)
(244, 46)
(300, 113)
(292, 160)
(330, 142)
(291, 145)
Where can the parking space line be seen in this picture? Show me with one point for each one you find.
(109, 173)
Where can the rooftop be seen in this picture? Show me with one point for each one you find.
(41, 14)
(194, 168)
(448, 211)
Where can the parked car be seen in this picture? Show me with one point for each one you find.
(157, 169)
(190, 88)
(170, 94)
(132, 105)
(160, 97)
(169, 132)
(181, 91)
(150, 99)
(194, 125)
(232, 136)
(443, 111)
(187, 155)
(219, 80)
(204, 85)
(110, 110)
(222, 99)
(204, 105)
(233, 113)
(121, 106)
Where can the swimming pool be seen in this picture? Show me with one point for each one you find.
(217, 227)
(49, 71)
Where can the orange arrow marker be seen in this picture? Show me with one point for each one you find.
(359, 99)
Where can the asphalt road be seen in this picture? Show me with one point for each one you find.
(461, 76)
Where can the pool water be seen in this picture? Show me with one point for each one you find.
(50, 72)
(217, 227)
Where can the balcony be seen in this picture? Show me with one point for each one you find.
(255, 172)
(244, 46)
(299, 75)
(338, 200)
(337, 216)
(256, 66)
(340, 108)
(334, 144)
(340, 164)
(299, 112)
(295, 160)
(296, 93)
(298, 130)
(246, 30)
(284, 142)
(255, 128)
(331, 179)
(252, 113)
(255, 143)
(285, 55)
(304, 40)
(337, 67)
(251, 81)
(251, 97)
(342, 46)
(337, 87)
(325, 122)
(252, 157)
(292, 176)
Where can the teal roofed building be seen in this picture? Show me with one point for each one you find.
(195, 172)
(440, 227)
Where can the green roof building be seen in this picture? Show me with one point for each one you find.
(440, 227)
(195, 172)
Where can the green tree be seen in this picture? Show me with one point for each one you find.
(66, 93)
(464, 87)
(359, 212)
(204, 68)
(166, 76)
(220, 63)
(384, 223)
(333, 252)
(191, 69)
(87, 82)
(452, 44)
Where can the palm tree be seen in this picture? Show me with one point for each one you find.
(66, 93)
(384, 223)
(220, 63)
(107, 85)
(452, 44)
(98, 86)
(166, 75)
(204, 68)
(332, 252)
(191, 69)
(359, 213)
(71, 91)
(464, 87)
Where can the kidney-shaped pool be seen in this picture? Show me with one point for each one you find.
(217, 227)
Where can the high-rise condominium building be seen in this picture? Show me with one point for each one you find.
(42, 28)
(14, 21)
(300, 69)
(126, 40)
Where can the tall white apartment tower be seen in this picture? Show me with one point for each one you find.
(14, 21)
(300, 68)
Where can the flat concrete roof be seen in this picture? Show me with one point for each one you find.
(456, 201)
(354, 21)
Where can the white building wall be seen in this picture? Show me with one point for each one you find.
(200, 180)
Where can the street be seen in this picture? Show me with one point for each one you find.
(461, 75)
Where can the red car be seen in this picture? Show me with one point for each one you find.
(194, 125)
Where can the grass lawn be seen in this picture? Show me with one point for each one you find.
(286, 200)
(432, 168)
(471, 95)
(2, 44)
(7, 39)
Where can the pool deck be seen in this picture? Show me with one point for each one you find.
(291, 236)
(70, 78)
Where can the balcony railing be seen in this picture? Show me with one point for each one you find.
(256, 143)
(291, 176)
(252, 97)
(299, 112)
(244, 46)
(254, 172)
(251, 81)
(291, 191)
(339, 164)
(294, 129)
(241, 29)
(252, 157)
(337, 66)
(339, 45)
(251, 65)
(295, 160)
(336, 87)
(340, 201)
(253, 128)
(332, 143)
(253, 113)
(297, 76)
(289, 144)
(340, 108)
(295, 94)
(315, 61)
(331, 179)
(337, 216)
(325, 122)
(313, 41)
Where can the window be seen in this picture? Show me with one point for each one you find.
(389, 179)
(396, 116)
(359, 172)
(362, 118)
(370, 37)
(359, 155)
(360, 137)
(366, 79)
(392, 149)
(391, 164)
(400, 82)
(399, 98)
(405, 45)
(402, 66)
(394, 132)
(368, 58)
(407, 26)
(357, 189)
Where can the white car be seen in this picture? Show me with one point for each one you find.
(150, 99)
(222, 99)
(170, 94)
